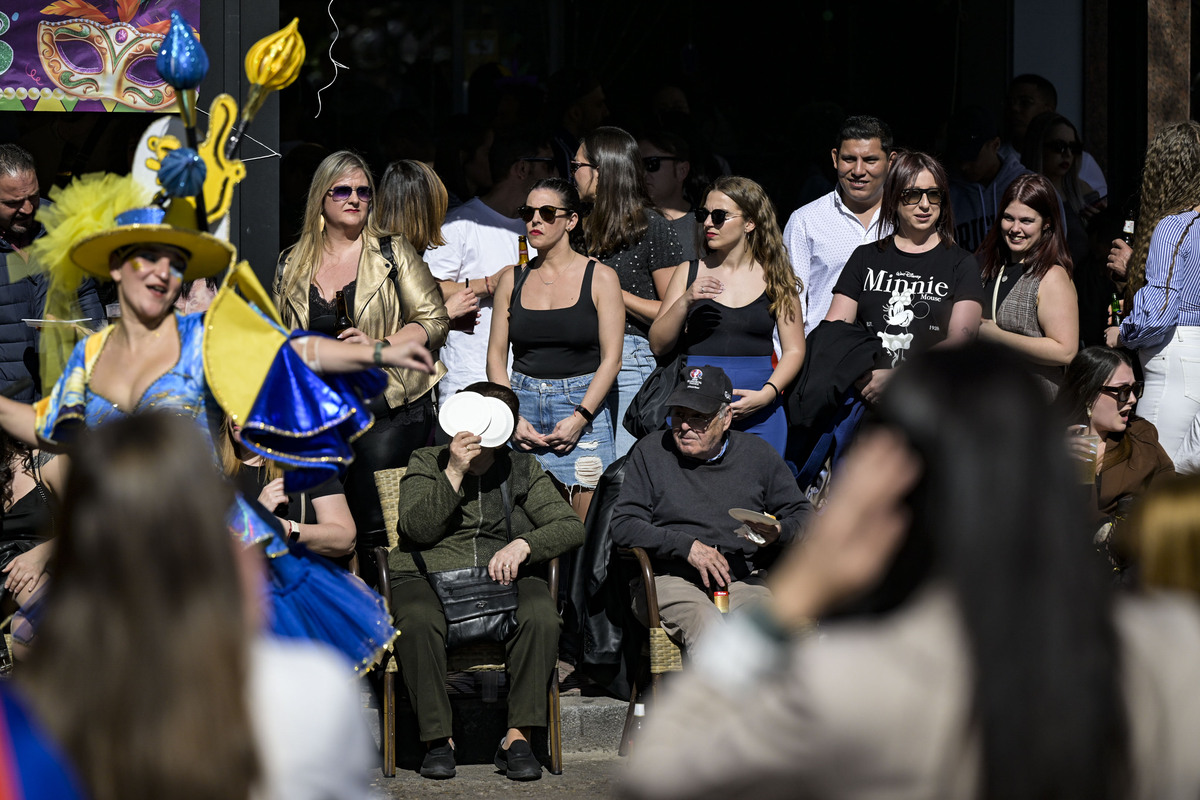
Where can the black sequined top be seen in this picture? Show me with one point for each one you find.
(658, 248)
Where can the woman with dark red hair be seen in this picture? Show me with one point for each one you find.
(1029, 299)
(916, 288)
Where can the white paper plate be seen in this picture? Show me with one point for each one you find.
(500, 423)
(746, 515)
(465, 411)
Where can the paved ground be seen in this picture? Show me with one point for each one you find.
(584, 775)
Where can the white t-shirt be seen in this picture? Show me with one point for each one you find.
(305, 705)
(479, 241)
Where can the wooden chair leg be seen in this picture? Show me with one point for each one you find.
(387, 729)
(554, 726)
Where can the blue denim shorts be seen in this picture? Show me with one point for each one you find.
(545, 401)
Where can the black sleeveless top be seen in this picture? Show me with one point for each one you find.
(716, 330)
(556, 342)
(29, 522)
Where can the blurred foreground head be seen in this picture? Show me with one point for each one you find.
(139, 665)
(999, 518)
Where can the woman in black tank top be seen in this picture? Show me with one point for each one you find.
(564, 317)
(723, 311)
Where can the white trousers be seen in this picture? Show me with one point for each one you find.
(1171, 401)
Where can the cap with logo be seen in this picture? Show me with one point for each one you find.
(702, 388)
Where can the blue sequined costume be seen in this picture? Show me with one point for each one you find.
(308, 420)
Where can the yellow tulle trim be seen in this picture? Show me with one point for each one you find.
(88, 205)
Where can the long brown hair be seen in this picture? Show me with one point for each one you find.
(1037, 192)
(412, 202)
(1170, 185)
(304, 257)
(618, 219)
(765, 243)
(902, 174)
(140, 666)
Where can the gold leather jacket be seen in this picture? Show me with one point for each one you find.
(380, 310)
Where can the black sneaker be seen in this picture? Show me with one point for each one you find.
(438, 763)
(518, 761)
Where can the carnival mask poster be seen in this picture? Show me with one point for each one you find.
(75, 55)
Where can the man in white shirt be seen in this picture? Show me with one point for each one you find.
(821, 235)
(481, 242)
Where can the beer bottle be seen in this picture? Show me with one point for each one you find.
(1115, 309)
(343, 318)
(1127, 232)
(523, 251)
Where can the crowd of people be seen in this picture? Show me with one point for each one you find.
(922, 413)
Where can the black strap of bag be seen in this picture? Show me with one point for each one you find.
(477, 608)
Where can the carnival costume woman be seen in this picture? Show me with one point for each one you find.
(232, 359)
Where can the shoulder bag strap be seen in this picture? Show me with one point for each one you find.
(693, 270)
(389, 255)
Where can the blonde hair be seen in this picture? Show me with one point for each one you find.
(765, 243)
(1167, 530)
(412, 202)
(1170, 185)
(300, 262)
(231, 462)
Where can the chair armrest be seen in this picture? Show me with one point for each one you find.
(552, 577)
(646, 573)
(385, 577)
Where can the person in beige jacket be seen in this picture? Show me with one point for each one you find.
(390, 298)
(990, 660)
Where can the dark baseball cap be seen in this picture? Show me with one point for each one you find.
(702, 388)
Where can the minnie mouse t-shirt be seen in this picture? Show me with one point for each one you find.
(906, 298)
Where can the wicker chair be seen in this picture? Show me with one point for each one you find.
(472, 659)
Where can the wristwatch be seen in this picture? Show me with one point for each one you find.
(294, 535)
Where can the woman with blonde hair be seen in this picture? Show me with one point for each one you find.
(1163, 293)
(1166, 540)
(623, 230)
(390, 298)
(723, 309)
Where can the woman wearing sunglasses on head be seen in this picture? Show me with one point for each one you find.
(724, 309)
(1029, 299)
(388, 296)
(915, 289)
(625, 232)
(562, 315)
(1099, 392)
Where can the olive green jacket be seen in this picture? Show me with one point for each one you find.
(465, 528)
(380, 311)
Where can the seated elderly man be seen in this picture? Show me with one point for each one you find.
(679, 488)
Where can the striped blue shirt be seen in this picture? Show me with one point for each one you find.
(1158, 308)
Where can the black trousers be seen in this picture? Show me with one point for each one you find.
(387, 445)
(529, 655)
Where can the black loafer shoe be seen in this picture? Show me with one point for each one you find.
(518, 761)
(438, 763)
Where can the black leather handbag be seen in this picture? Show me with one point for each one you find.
(477, 608)
(647, 411)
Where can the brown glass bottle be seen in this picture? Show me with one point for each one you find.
(522, 251)
(343, 317)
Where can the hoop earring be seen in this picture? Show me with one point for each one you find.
(321, 223)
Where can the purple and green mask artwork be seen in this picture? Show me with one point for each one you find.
(75, 55)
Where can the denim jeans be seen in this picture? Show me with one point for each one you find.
(637, 362)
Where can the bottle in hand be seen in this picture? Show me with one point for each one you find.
(343, 317)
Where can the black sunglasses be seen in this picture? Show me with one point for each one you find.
(910, 197)
(719, 216)
(653, 163)
(1061, 146)
(549, 213)
(342, 193)
(1121, 393)
(578, 165)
